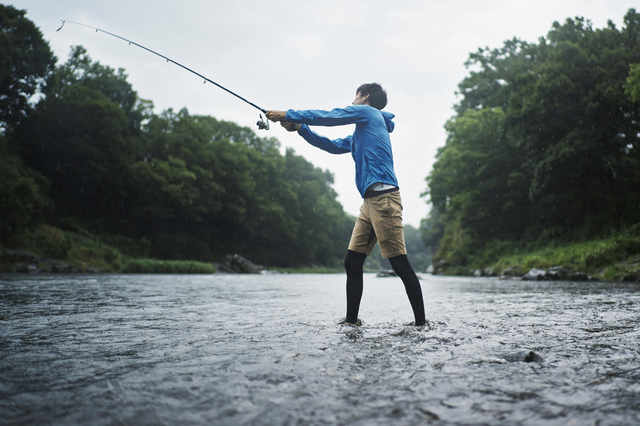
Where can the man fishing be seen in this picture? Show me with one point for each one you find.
(380, 218)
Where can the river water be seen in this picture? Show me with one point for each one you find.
(266, 350)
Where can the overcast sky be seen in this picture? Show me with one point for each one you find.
(311, 55)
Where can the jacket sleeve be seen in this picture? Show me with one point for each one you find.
(335, 146)
(335, 117)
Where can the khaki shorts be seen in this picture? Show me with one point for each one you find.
(380, 221)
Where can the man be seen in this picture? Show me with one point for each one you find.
(381, 213)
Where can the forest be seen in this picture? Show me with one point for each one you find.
(91, 157)
(89, 173)
(543, 149)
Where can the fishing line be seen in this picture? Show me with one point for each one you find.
(262, 124)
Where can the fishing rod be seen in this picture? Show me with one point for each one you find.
(262, 124)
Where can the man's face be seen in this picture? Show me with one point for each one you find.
(360, 100)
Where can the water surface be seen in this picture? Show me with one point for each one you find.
(266, 350)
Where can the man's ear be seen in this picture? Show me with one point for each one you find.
(365, 99)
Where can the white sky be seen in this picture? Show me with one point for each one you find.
(310, 54)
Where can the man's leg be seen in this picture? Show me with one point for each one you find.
(353, 264)
(387, 222)
(402, 267)
(363, 239)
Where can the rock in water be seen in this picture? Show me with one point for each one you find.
(511, 272)
(557, 273)
(535, 275)
(235, 263)
(523, 356)
(531, 356)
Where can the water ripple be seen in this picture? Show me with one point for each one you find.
(230, 350)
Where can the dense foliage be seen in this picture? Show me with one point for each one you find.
(545, 144)
(90, 155)
(25, 60)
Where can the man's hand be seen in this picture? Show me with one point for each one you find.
(277, 115)
(289, 126)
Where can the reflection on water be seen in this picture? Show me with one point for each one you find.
(265, 350)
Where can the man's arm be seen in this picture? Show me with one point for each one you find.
(333, 146)
(335, 117)
(337, 146)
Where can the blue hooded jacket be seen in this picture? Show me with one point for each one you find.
(369, 145)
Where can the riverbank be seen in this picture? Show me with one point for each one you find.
(47, 249)
(51, 250)
(21, 261)
(610, 259)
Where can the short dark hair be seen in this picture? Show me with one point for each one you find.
(377, 95)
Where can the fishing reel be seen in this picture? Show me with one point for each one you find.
(263, 124)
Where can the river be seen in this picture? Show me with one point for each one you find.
(267, 350)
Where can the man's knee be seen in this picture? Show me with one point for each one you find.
(354, 260)
(400, 263)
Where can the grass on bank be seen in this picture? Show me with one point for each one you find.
(607, 259)
(155, 266)
(80, 249)
(86, 251)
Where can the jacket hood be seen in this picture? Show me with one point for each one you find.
(388, 120)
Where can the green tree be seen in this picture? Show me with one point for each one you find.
(25, 62)
(475, 185)
(24, 199)
(545, 142)
(236, 194)
(315, 211)
(80, 139)
(580, 162)
(632, 88)
(81, 70)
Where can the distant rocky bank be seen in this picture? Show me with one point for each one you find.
(25, 262)
(21, 261)
(556, 273)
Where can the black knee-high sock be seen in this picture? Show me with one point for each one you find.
(402, 267)
(353, 264)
